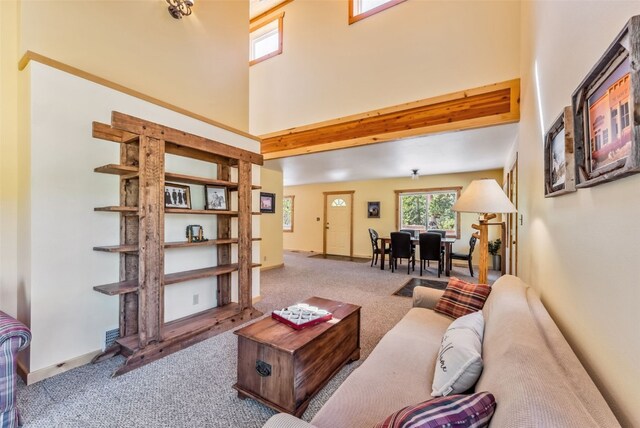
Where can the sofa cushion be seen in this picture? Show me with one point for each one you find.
(459, 361)
(462, 298)
(398, 373)
(521, 371)
(469, 411)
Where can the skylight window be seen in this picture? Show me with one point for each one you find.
(360, 9)
(266, 40)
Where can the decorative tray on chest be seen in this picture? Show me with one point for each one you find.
(301, 315)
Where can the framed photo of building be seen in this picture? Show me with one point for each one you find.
(177, 196)
(216, 198)
(267, 202)
(373, 209)
(559, 166)
(606, 134)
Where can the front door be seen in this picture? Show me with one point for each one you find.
(338, 209)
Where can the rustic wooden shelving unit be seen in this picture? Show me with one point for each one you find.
(144, 336)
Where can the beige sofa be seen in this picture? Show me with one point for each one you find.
(534, 375)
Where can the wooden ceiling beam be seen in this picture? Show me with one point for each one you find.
(489, 105)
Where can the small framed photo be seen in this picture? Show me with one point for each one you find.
(177, 196)
(373, 209)
(267, 202)
(606, 128)
(559, 167)
(216, 198)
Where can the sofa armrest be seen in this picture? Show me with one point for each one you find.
(12, 328)
(426, 297)
(284, 420)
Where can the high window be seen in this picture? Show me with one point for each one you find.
(287, 213)
(360, 9)
(265, 40)
(424, 209)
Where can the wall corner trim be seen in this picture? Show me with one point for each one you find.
(33, 56)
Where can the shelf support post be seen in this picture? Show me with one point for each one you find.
(151, 241)
(224, 251)
(244, 234)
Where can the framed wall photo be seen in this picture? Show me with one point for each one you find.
(373, 209)
(177, 196)
(267, 202)
(606, 133)
(216, 198)
(559, 166)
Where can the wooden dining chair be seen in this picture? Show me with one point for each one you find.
(431, 249)
(460, 256)
(375, 248)
(401, 248)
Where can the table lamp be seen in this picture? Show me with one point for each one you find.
(486, 198)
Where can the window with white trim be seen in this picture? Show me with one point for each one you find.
(425, 209)
(265, 40)
(360, 9)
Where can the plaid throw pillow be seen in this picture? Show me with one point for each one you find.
(462, 298)
(473, 411)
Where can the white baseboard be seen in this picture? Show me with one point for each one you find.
(47, 372)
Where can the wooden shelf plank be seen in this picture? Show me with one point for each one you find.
(116, 169)
(209, 212)
(118, 209)
(117, 248)
(189, 275)
(191, 324)
(176, 244)
(117, 288)
(190, 179)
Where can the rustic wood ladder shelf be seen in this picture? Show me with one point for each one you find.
(144, 336)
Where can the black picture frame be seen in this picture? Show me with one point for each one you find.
(177, 196)
(216, 198)
(607, 132)
(559, 161)
(267, 202)
(373, 209)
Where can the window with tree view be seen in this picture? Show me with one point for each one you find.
(425, 210)
(287, 213)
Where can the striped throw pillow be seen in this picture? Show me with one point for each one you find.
(472, 411)
(462, 298)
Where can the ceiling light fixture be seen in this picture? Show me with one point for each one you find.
(180, 8)
(414, 174)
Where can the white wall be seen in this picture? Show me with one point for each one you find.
(68, 318)
(415, 50)
(580, 250)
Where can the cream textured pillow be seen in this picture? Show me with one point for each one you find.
(459, 362)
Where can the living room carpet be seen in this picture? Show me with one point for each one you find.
(192, 388)
(341, 258)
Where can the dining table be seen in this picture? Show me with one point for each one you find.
(447, 243)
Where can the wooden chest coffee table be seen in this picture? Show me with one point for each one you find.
(284, 368)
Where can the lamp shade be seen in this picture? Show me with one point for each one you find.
(484, 196)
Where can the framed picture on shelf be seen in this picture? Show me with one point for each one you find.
(606, 134)
(559, 166)
(267, 202)
(216, 198)
(373, 209)
(177, 196)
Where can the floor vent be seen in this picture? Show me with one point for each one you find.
(111, 336)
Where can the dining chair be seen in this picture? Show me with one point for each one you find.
(460, 256)
(411, 231)
(375, 248)
(444, 235)
(431, 249)
(401, 248)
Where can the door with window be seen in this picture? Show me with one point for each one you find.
(338, 223)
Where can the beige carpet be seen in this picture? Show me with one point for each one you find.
(192, 388)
